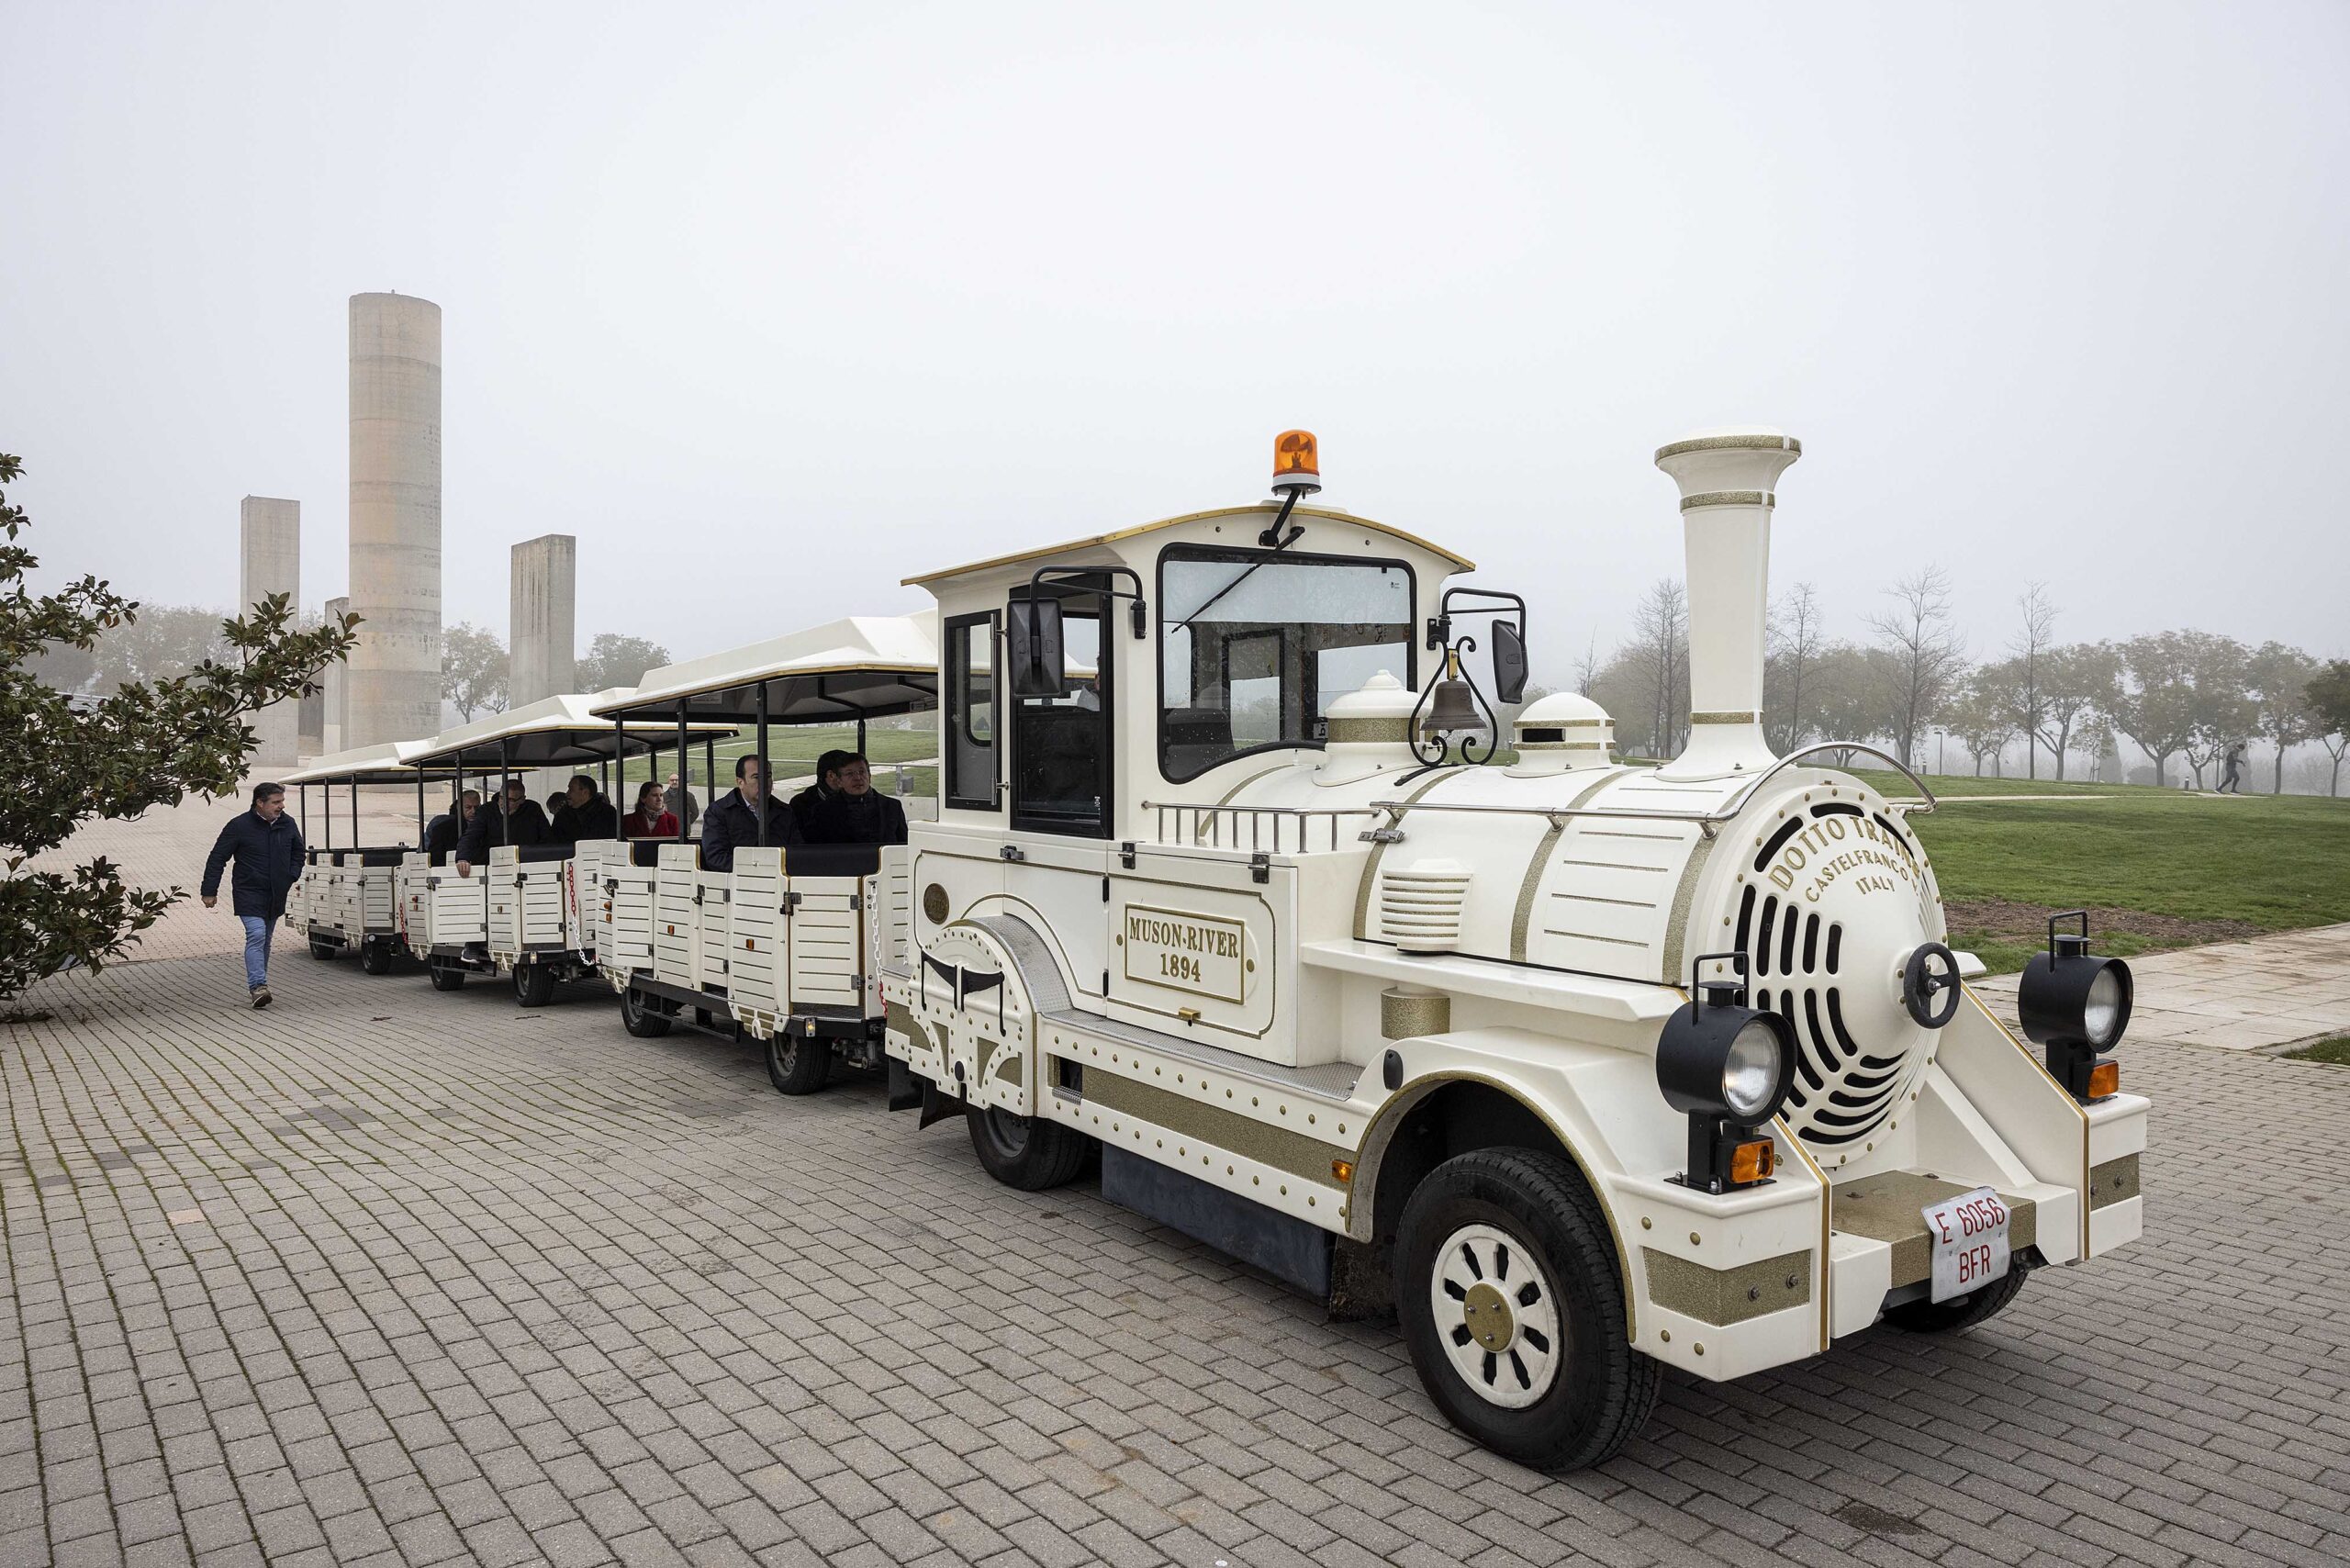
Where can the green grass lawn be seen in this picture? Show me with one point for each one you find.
(2161, 868)
(794, 749)
(2335, 1050)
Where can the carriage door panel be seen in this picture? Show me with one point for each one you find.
(1193, 950)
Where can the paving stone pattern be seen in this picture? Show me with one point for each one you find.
(387, 1276)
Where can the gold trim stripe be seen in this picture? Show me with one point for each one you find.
(2113, 1181)
(1729, 499)
(1305, 1157)
(1725, 1297)
(1725, 718)
(1751, 442)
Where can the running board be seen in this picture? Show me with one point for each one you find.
(1334, 1084)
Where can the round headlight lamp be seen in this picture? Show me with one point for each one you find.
(2076, 1005)
(1728, 1067)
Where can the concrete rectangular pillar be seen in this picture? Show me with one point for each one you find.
(395, 677)
(270, 536)
(540, 618)
(335, 720)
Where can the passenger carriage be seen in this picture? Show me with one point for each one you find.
(521, 915)
(348, 900)
(1582, 1069)
(781, 948)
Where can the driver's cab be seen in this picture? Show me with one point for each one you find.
(1103, 702)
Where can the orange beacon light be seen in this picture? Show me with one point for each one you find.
(1297, 466)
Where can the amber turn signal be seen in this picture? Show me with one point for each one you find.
(1343, 1169)
(2105, 1078)
(1753, 1162)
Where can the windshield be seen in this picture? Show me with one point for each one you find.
(1255, 646)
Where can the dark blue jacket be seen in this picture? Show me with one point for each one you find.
(729, 825)
(268, 858)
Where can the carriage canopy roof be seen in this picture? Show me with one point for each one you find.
(551, 732)
(862, 666)
(385, 764)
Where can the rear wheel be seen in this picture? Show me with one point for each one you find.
(376, 957)
(1960, 1311)
(534, 984)
(797, 1064)
(1506, 1286)
(642, 1017)
(1026, 1152)
(446, 976)
(322, 949)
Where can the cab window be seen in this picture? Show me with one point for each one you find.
(970, 719)
(1255, 646)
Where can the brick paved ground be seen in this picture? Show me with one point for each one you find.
(387, 1276)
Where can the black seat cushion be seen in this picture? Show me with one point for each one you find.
(831, 860)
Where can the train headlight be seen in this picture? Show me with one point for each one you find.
(1727, 1067)
(2076, 1005)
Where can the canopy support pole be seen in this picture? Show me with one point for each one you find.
(354, 813)
(766, 779)
(685, 776)
(504, 777)
(420, 807)
(620, 761)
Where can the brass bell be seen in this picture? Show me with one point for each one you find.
(1450, 708)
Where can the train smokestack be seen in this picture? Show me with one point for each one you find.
(1726, 480)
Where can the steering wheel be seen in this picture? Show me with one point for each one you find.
(1929, 985)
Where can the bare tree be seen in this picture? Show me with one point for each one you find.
(2031, 646)
(1928, 653)
(1660, 648)
(1588, 668)
(1797, 637)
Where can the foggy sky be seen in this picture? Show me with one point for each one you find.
(773, 307)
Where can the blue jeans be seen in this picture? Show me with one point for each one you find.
(256, 950)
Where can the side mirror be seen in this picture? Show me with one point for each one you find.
(1509, 662)
(1032, 635)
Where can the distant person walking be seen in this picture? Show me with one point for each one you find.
(681, 803)
(267, 849)
(2232, 783)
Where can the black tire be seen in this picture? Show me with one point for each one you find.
(797, 1064)
(1960, 1312)
(1026, 1152)
(376, 957)
(323, 950)
(446, 976)
(533, 985)
(1601, 1389)
(640, 1016)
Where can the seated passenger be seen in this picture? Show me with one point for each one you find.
(731, 823)
(843, 806)
(520, 823)
(652, 818)
(584, 814)
(447, 828)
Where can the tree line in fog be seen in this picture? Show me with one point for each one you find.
(2044, 707)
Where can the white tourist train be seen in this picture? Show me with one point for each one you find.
(349, 900)
(1580, 1068)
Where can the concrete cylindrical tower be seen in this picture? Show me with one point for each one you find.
(270, 536)
(394, 682)
(334, 713)
(539, 622)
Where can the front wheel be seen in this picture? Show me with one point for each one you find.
(797, 1064)
(533, 985)
(1026, 1152)
(639, 1016)
(1511, 1305)
(1960, 1311)
(446, 976)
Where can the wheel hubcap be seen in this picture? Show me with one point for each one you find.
(1498, 1315)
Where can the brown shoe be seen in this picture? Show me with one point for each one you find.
(260, 996)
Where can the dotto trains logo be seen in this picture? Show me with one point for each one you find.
(1845, 848)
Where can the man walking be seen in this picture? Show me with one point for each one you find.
(2233, 783)
(267, 849)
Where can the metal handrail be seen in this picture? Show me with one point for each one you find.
(1707, 821)
(1215, 814)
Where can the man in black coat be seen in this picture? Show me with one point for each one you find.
(584, 814)
(442, 835)
(521, 822)
(843, 806)
(267, 849)
(730, 824)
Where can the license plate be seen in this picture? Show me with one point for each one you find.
(1968, 1233)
